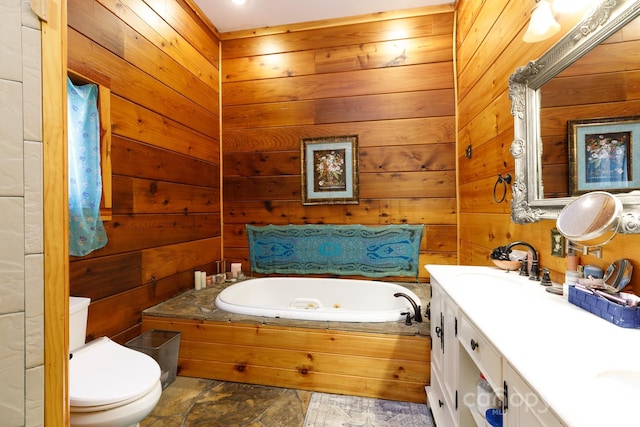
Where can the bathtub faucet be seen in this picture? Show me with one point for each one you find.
(416, 308)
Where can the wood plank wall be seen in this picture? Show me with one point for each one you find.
(489, 49)
(162, 62)
(389, 81)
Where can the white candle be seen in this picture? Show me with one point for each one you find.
(236, 268)
(203, 279)
(196, 280)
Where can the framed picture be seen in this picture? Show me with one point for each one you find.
(602, 154)
(330, 170)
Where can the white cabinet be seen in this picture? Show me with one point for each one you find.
(478, 356)
(524, 406)
(481, 352)
(450, 360)
(460, 353)
(442, 395)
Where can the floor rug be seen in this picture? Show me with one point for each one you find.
(333, 410)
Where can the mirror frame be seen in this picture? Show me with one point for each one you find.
(528, 204)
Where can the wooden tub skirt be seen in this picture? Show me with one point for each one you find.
(385, 366)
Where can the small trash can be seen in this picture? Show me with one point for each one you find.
(163, 346)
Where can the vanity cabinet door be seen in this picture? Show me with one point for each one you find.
(450, 366)
(444, 358)
(437, 326)
(442, 413)
(524, 406)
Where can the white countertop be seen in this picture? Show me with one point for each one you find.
(585, 368)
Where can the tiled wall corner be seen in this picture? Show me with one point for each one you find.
(11, 139)
(34, 310)
(10, 28)
(11, 257)
(32, 84)
(21, 218)
(29, 19)
(33, 198)
(12, 392)
(35, 397)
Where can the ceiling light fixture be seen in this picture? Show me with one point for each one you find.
(542, 24)
(564, 6)
(239, 2)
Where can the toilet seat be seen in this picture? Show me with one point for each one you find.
(105, 375)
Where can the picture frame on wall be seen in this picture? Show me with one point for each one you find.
(604, 154)
(330, 170)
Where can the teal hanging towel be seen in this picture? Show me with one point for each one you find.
(378, 251)
(86, 231)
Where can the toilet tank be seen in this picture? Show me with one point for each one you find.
(78, 310)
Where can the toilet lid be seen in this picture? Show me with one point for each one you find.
(103, 372)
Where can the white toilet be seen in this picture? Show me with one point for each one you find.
(110, 385)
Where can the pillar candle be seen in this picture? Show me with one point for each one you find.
(236, 267)
(196, 280)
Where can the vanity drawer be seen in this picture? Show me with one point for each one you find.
(443, 412)
(485, 356)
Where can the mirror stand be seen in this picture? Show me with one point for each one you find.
(584, 250)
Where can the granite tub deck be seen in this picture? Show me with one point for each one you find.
(388, 360)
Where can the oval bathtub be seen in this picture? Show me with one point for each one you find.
(310, 298)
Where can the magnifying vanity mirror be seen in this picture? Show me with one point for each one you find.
(577, 118)
(590, 221)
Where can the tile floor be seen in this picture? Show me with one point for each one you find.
(194, 402)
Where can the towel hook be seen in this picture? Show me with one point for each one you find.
(504, 180)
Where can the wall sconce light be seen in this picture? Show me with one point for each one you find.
(542, 24)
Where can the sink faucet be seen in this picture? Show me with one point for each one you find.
(416, 308)
(534, 273)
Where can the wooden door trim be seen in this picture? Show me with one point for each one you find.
(56, 245)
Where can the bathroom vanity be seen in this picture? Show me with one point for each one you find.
(550, 362)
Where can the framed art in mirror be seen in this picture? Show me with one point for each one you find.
(330, 170)
(602, 154)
